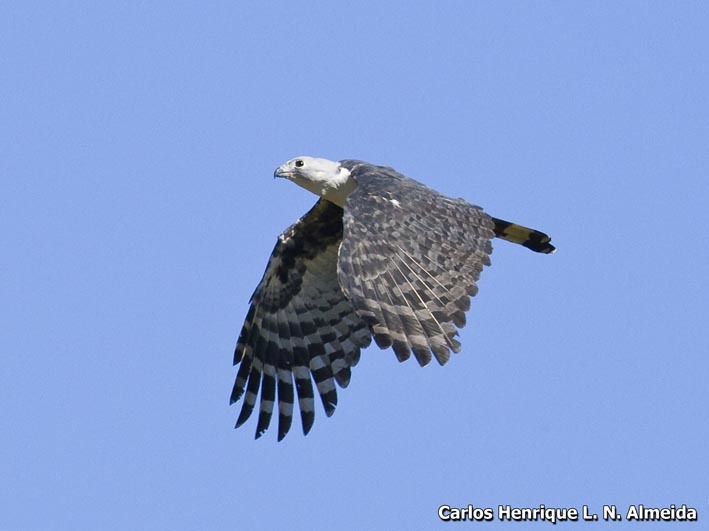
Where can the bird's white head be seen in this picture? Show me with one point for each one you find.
(326, 178)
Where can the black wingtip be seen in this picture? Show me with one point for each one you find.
(235, 395)
(284, 424)
(246, 410)
(307, 419)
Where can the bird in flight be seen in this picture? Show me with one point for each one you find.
(378, 256)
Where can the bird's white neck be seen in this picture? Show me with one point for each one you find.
(335, 188)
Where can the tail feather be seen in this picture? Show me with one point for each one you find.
(529, 238)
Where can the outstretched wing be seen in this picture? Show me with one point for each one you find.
(409, 261)
(299, 325)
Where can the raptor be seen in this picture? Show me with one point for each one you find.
(380, 256)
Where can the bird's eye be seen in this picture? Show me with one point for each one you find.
(299, 163)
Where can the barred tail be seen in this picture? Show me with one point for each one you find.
(530, 238)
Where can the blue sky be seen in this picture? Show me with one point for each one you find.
(137, 145)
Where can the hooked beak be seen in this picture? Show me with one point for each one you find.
(282, 172)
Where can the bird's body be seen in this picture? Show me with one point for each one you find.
(379, 256)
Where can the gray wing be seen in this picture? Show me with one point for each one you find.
(409, 261)
(299, 325)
